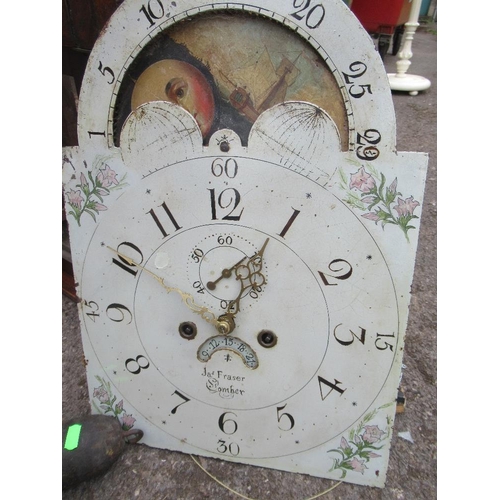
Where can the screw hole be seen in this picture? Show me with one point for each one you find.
(188, 330)
(267, 338)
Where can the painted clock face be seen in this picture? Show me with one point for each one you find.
(243, 234)
(320, 365)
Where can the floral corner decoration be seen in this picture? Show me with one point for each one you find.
(368, 191)
(361, 446)
(106, 403)
(93, 187)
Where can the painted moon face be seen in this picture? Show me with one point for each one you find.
(178, 82)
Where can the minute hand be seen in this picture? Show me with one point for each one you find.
(204, 312)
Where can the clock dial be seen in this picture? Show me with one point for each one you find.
(217, 265)
(243, 233)
(326, 261)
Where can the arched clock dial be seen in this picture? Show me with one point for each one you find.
(243, 233)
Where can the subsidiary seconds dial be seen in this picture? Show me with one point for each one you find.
(215, 265)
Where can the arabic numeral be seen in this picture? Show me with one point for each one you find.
(254, 292)
(357, 70)
(225, 240)
(123, 263)
(153, 11)
(233, 448)
(229, 168)
(366, 149)
(340, 270)
(199, 287)
(118, 313)
(382, 345)
(115, 312)
(197, 255)
(346, 342)
(107, 71)
(228, 425)
(228, 199)
(94, 308)
(287, 421)
(185, 400)
(313, 15)
(135, 366)
(326, 387)
(159, 225)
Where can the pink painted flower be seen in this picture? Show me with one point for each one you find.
(99, 207)
(75, 198)
(344, 444)
(83, 180)
(406, 207)
(107, 177)
(369, 199)
(372, 434)
(119, 406)
(362, 181)
(371, 216)
(357, 465)
(373, 455)
(101, 394)
(128, 421)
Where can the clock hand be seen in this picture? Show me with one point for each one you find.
(222, 325)
(226, 273)
(250, 271)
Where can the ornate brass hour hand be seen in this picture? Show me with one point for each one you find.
(250, 276)
(221, 325)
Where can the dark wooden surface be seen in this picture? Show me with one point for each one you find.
(83, 20)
